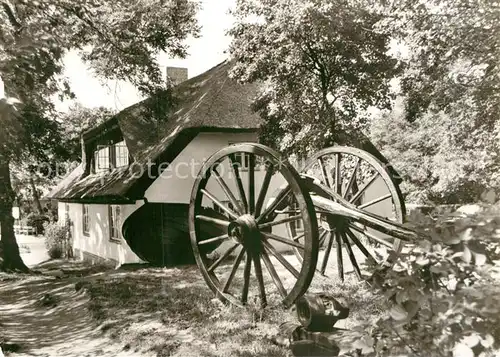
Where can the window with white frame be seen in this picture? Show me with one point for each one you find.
(114, 222)
(120, 154)
(102, 159)
(111, 156)
(243, 160)
(66, 214)
(296, 211)
(225, 203)
(85, 220)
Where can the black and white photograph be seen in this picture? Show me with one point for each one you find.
(249, 178)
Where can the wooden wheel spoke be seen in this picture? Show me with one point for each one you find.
(338, 175)
(221, 205)
(322, 237)
(352, 178)
(340, 263)
(370, 235)
(374, 201)
(246, 278)
(280, 221)
(239, 183)
(242, 201)
(236, 264)
(327, 253)
(236, 204)
(214, 239)
(360, 246)
(264, 189)
(275, 204)
(323, 171)
(363, 188)
(352, 258)
(296, 238)
(273, 273)
(251, 183)
(348, 188)
(260, 279)
(215, 221)
(222, 258)
(281, 259)
(283, 240)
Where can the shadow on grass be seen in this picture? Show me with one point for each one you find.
(44, 315)
(172, 312)
(29, 321)
(146, 312)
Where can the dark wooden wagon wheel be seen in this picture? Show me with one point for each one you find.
(350, 173)
(236, 182)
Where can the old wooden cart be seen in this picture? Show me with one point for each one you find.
(250, 208)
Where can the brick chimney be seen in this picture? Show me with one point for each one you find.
(176, 75)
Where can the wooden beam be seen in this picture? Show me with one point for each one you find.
(383, 225)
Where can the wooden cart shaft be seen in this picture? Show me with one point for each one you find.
(338, 206)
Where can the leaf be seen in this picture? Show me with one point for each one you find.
(398, 313)
(412, 308)
(467, 257)
(422, 261)
(472, 340)
(479, 259)
(365, 344)
(438, 268)
(466, 235)
(462, 350)
(489, 196)
(401, 296)
(487, 341)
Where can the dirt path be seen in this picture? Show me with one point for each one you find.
(61, 330)
(32, 249)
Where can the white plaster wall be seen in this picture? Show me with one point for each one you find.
(97, 242)
(61, 212)
(176, 183)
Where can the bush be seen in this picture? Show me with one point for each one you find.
(57, 241)
(37, 221)
(443, 293)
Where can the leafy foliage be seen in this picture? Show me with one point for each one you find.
(446, 140)
(442, 292)
(57, 240)
(442, 158)
(78, 120)
(451, 55)
(322, 62)
(118, 39)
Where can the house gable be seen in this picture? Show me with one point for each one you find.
(156, 131)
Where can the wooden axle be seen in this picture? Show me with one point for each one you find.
(382, 225)
(338, 206)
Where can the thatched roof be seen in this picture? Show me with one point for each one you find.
(156, 132)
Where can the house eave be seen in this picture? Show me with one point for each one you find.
(115, 200)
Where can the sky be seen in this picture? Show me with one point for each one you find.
(204, 52)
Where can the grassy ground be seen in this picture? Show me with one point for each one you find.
(171, 312)
(72, 309)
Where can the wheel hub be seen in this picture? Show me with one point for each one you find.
(332, 222)
(245, 231)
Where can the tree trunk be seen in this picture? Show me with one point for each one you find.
(10, 259)
(36, 197)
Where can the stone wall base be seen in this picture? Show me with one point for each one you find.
(94, 259)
